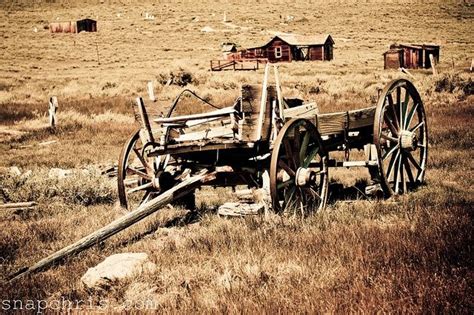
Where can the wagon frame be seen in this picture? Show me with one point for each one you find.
(260, 136)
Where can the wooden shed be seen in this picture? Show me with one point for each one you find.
(289, 47)
(86, 25)
(411, 56)
(62, 27)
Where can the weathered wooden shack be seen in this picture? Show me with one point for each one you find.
(293, 47)
(62, 27)
(411, 56)
(86, 25)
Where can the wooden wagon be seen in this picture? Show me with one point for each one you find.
(261, 135)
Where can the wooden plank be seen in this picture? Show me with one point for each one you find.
(361, 118)
(332, 123)
(309, 110)
(263, 103)
(335, 123)
(217, 113)
(121, 223)
(18, 205)
(279, 94)
(145, 121)
(210, 133)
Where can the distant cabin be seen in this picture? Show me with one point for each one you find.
(411, 56)
(292, 47)
(85, 25)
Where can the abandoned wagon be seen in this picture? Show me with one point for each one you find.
(293, 47)
(411, 56)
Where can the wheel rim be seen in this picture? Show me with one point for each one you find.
(298, 169)
(401, 137)
(136, 173)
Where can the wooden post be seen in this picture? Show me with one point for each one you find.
(120, 224)
(145, 122)
(433, 65)
(279, 92)
(151, 93)
(263, 103)
(53, 107)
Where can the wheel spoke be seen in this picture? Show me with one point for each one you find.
(314, 193)
(392, 162)
(414, 162)
(304, 145)
(297, 144)
(289, 153)
(393, 149)
(287, 169)
(142, 160)
(141, 187)
(417, 126)
(387, 137)
(285, 183)
(310, 156)
(409, 172)
(137, 172)
(410, 115)
(404, 107)
(394, 111)
(397, 174)
(402, 175)
(390, 125)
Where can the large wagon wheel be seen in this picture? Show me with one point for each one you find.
(298, 169)
(136, 173)
(401, 137)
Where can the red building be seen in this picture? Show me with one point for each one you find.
(289, 47)
(410, 56)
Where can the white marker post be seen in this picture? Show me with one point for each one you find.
(151, 94)
(53, 106)
(433, 65)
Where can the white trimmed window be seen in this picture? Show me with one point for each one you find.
(278, 52)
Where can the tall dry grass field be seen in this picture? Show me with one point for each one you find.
(411, 253)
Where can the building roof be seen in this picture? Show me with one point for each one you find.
(415, 46)
(300, 40)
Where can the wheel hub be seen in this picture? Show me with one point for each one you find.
(408, 140)
(305, 176)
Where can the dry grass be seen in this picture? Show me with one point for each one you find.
(408, 254)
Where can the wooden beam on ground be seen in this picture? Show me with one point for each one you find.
(18, 205)
(121, 223)
(53, 107)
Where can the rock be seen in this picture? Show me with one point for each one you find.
(115, 268)
(237, 209)
(14, 170)
(59, 173)
(207, 29)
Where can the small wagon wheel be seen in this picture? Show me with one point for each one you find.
(136, 173)
(401, 137)
(298, 168)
